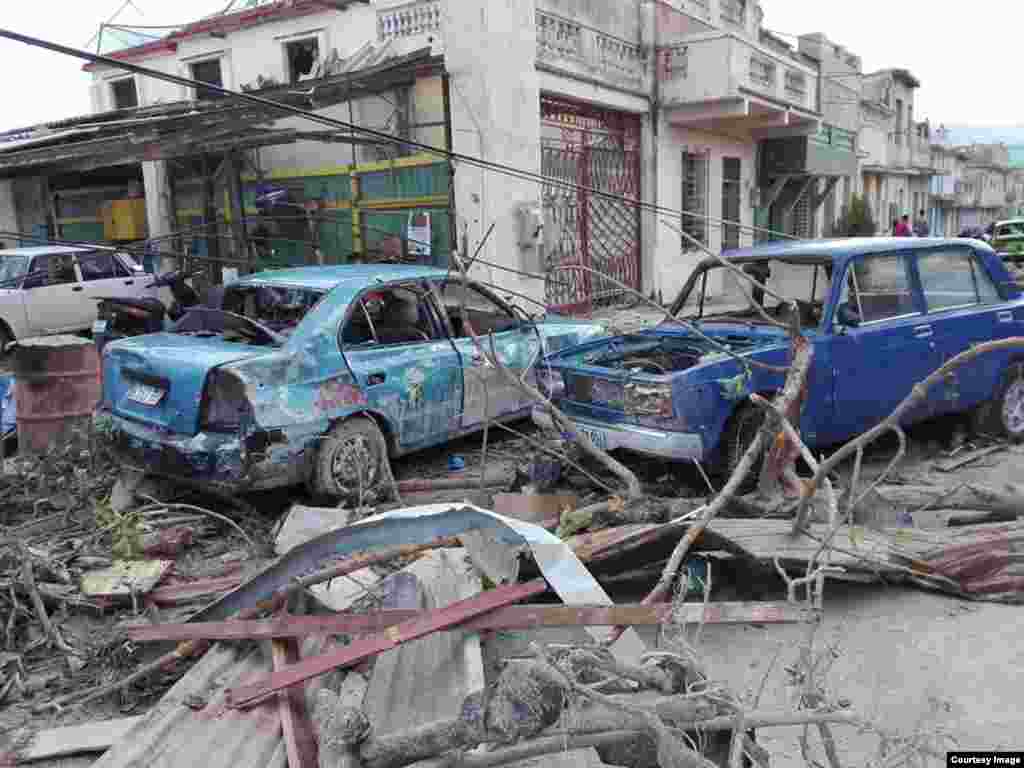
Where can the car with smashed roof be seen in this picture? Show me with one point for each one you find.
(881, 314)
(315, 374)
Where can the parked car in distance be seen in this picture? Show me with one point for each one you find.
(1008, 239)
(881, 313)
(312, 374)
(54, 289)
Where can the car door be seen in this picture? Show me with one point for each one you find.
(964, 309)
(55, 300)
(488, 393)
(104, 274)
(885, 349)
(410, 373)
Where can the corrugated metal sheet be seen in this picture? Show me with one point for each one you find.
(428, 679)
(174, 734)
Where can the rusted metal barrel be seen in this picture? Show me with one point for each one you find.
(57, 387)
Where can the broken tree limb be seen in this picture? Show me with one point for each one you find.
(560, 419)
(917, 393)
(29, 580)
(777, 469)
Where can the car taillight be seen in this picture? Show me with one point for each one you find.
(551, 383)
(225, 405)
(642, 399)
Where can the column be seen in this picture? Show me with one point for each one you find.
(160, 218)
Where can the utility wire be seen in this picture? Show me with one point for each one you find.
(487, 165)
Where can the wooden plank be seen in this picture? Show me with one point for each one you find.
(507, 618)
(71, 740)
(181, 594)
(300, 742)
(392, 637)
(429, 679)
(967, 458)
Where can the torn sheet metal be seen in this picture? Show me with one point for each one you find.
(564, 572)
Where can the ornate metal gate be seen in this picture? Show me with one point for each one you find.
(595, 149)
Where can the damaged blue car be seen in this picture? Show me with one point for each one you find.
(314, 375)
(881, 314)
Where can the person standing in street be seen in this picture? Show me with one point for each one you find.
(921, 228)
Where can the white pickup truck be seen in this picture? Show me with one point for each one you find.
(53, 289)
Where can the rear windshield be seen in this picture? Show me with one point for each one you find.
(278, 308)
(12, 268)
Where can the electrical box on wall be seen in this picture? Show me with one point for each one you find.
(531, 226)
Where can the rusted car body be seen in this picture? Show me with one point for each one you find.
(312, 374)
(881, 313)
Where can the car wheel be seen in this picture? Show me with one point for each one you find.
(350, 461)
(1010, 404)
(739, 433)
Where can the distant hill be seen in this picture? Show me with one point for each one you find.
(985, 134)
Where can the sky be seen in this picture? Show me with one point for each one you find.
(964, 66)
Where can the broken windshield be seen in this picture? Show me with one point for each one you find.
(276, 307)
(718, 293)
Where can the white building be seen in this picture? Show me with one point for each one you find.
(664, 101)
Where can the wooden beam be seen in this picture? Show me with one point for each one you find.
(299, 739)
(799, 196)
(239, 234)
(71, 740)
(775, 191)
(394, 636)
(830, 184)
(510, 617)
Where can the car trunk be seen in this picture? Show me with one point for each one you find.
(159, 379)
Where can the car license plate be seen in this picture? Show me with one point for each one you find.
(100, 326)
(144, 394)
(598, 438)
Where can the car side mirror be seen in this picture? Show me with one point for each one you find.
(847, 316)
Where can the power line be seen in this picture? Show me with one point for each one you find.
(486, 165)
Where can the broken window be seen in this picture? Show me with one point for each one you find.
(695, 196)
(278, 308)
(302, 57)
(400, 315)
(208, 71)
(486, 314)
(124, 94)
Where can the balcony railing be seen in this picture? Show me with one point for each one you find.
(720, 65)
(418, 18)
(558, 38)
(579, 50)
(762, 72)
(732, 13)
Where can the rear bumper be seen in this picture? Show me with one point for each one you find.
(207, 459)
(650, 442)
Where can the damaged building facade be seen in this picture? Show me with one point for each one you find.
(689, 105)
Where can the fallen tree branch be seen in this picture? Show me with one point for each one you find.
(917, 393)
(29, 580)
(563, 423)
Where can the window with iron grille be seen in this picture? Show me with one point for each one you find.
(695, 196)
